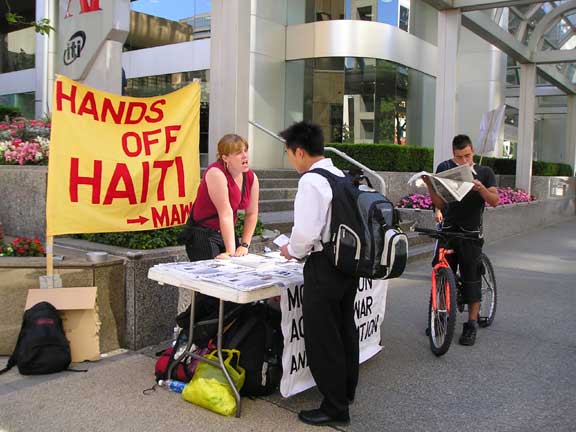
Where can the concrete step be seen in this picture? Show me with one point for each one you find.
(278, 183)
(415, 239)
(276, 173)
(421, 252)
(277, 193)
(278, 220)
(276, 205)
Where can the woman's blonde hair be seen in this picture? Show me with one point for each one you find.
(231, 143)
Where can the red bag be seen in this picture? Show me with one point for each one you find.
(184, 371)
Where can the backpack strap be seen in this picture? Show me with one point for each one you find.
(332, 178)
(13, 360)
(243, 331)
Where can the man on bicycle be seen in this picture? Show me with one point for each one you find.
(466, 216)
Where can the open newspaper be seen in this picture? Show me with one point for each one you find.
(246, 273)
(451, 185)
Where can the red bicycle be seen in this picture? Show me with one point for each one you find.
(446, 294)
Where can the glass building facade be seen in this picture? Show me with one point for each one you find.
(361, 100)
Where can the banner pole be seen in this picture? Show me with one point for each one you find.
(49, 255)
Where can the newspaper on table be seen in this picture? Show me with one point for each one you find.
(451, 185)
(241, 273)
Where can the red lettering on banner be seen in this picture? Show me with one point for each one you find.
(175, 214)
(131, 108)
(138, 142)
(159, 113)
(121, 173)
(163, 165)
(76, 180)
(88, 105)
(185, 211)
(148, 142)
(160, 219)
(145, 181)
(169, 138)
(180, 176)
(108, 108)
(60, 96)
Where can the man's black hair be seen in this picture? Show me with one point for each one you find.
(460, 142)
(306, 135)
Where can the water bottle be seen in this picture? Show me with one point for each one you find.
(175, 334)
(172, 385)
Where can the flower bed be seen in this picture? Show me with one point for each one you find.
(22, 247)
(506, 196)
(24, 142)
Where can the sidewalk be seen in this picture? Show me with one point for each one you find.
(520, 375)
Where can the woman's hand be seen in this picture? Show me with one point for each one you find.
(241, 251)
(223, 255)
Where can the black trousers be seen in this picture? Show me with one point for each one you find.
(467, 259)
(331, 335)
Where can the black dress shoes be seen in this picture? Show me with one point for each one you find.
(318, 417)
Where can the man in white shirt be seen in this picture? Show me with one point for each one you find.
(331, 336)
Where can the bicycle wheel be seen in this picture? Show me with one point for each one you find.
(489, 294)
(442, 314)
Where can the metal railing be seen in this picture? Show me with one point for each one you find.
(333, 150)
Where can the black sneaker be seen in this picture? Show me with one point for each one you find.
(468, 335)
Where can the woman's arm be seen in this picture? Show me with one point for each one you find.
(218, 192)
(251, 217)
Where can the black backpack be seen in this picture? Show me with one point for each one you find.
(42, 347)
(364, 239)
(257, 334)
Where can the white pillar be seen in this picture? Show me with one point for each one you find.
(446, 83)
(229, 70)
(570, 143)
(526, 126)
(45, 52)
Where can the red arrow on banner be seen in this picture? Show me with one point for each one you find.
(141, 220)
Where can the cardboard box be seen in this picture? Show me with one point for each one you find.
(79, 314)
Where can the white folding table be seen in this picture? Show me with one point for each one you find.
(223, 294)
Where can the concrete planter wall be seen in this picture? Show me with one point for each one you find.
(509, 220)
(18, 275)
(23, 194)
(22, 200)
(150, 308)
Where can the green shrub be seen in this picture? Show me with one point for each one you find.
(10, 111)
(391, 157)
(153, 239)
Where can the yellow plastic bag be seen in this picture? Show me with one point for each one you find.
(209, 387)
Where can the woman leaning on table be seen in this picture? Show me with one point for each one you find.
(228, 185)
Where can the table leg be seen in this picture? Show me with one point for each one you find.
(219, 347)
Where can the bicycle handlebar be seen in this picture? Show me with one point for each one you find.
(446, 234)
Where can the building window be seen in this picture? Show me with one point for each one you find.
(17, 50)
(164, 22)
(393, 12)
(24, 102)
(362, 100)
(162, 84)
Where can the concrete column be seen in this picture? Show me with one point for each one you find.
(570, 141)
(526, 126)
(229, 70)
(446, 82)
(45, 52)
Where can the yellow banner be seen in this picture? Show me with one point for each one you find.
(120, 163)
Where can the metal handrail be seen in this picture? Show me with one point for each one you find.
(333, 150)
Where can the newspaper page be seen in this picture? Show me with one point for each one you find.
(244, 274)
(451, 185)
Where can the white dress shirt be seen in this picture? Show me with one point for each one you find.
(312, 211)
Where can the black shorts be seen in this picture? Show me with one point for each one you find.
(467, 259)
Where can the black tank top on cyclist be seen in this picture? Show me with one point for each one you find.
(467, 214)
